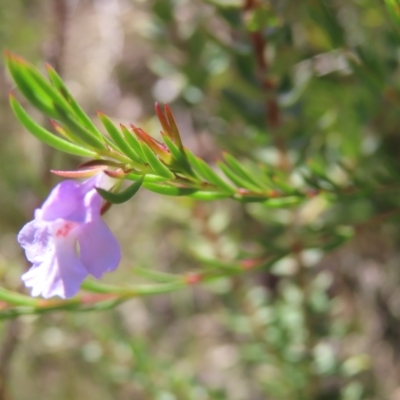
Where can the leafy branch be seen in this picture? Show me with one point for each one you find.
(166, 168)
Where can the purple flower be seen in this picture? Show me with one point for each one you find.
(68, 240)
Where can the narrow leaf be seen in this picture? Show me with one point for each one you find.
(237, 179)
(283, 202)
(78, 111)
(131, 291)
(44, 135)
(156, 276)
(66, 133)
(17, 299)
(35, 94)
(174, 131)
(319, 170)
(283, 186)
(178, 155)
(27, 74)
(168, 190)
(208, 173)
(147, 178)
(393, 6)
(118, 138)
(240, 170)
(76, 127)
(82, 173)
(99, 287)
(163, 121)
(208, 196)
(121, 197)
(155, 163)
(159, 149)
(133, 142)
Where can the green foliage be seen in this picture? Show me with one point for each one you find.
(296, 252)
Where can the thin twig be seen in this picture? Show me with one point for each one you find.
(273, 114)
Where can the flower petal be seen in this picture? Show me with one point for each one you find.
(60, 273)
(99, 249)
(36, 239)
(65, 201)
(74, 201)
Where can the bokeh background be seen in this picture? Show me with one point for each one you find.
(277, 82)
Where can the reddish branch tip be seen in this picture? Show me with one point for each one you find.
(273, 193)
(99, 163)
(312, 193)
(243, 191)
(95, 298)
(54, 124)
(14, 57)
(250, 264)
(193, 278)
(119, 173)
(83, 173)
(106, 206)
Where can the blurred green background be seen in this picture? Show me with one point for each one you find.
(277, 82)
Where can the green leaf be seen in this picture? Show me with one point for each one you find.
(208, 173)
(260, 18)
(368, 66)
(251, 197)
(311, 181)
(209, 196)
(156, 276)
(226, 3)
(121, 197)
(131, 291)
(17, 299)
(76, 127)
(240, 170)
(34, 93)
(278, 180)
(393, 7)
(173, 128)
(323, 14)
(99, 287)
(78, 111)
(118, 138)
(147, 178)
(46, 136)
(158, 167)
(237, 179)
(178, 154)
(168, 190)
(27, 76)
(319, 170)
(133, 142)
(283, 202)
(47, 99)
(175, 151)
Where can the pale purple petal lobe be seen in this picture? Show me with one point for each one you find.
(99, 250)
(64, 201)
(36, 237)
